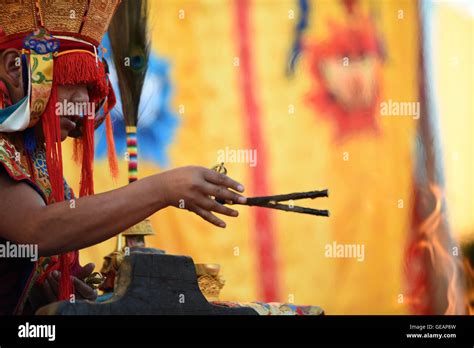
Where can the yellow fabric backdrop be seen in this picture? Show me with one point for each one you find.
(454, 81)
(364, 191)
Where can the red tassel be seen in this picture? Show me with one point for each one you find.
(111, 154)
(66, 286)
(81, 68)
(87, 180)
(52, 136)
(52, 266)
(54, 163)
(71, 69)
(77, 151)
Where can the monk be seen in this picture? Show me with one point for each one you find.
(27, 218)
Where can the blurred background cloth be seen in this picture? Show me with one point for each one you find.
(224, 76)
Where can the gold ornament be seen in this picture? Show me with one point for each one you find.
(220, 168)
(143, 228)
(94, 280)
(86, 19)
(209, 281)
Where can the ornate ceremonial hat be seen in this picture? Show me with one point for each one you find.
(58, 43)
(45, 30)
(84, 19)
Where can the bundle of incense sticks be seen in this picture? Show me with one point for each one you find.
(273, 202)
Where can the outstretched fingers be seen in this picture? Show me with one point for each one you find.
(222, 180)
(222, 193)
(208, 216)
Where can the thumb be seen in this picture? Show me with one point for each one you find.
(85, 271)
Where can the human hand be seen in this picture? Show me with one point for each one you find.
(191, 188)
(82, 291)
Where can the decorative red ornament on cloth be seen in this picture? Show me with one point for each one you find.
(4, 96)
(350, 5)
(346, 70)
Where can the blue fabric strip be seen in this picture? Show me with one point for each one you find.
(301, 26)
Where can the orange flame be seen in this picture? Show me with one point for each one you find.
(446, 265)
(470, 285)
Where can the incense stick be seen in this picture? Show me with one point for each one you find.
(287, 197)
(272, 202)
(296, 209)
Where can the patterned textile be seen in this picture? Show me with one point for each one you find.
(18, 275)
(274, 308)
(30, 168)
(41, 78)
